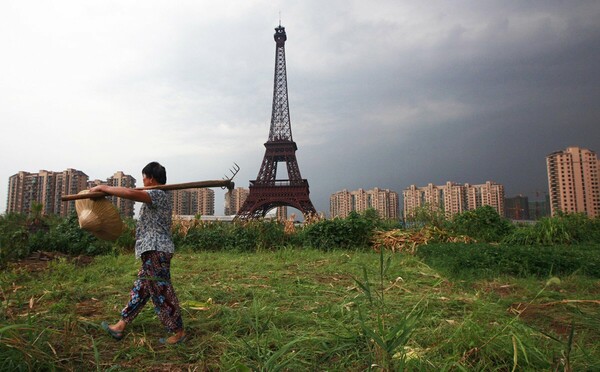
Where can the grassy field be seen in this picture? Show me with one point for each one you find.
(296, 309)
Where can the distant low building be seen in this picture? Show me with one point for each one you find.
(517, 208)
(539, 208)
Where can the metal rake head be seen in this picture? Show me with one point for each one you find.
(233, 170)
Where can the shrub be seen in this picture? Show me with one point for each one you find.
(355, 231)
(272, 235)
(427, 215)
(247, 236)
(67, 237)
(484, 224)
(13, 237)
(243, 237)
(206, 237)
(126, 241)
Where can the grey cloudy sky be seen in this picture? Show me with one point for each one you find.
(382, 93)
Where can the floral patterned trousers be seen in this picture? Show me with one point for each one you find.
(154, 281)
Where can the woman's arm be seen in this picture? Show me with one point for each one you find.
(124, 192)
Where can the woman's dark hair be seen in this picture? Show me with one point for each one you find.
(156, 171)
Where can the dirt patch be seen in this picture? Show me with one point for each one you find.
(166, 367)
(556, 316)
(499, 289)
(38, 261)
(334, 279)
(89, 308)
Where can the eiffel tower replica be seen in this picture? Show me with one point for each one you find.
(267, 191)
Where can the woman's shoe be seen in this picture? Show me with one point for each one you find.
(165, 342)
(117, 335)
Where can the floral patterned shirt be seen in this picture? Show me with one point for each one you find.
(153, 232)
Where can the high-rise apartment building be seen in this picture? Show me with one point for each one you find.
(573, 181)
(70, 181)
(453, 198)
(48, 195)
(21, 192)
(234, 200)
(192, 202)
(46, 188)
(121, 179)
(384, 201)
(489, 193)
(341, 203)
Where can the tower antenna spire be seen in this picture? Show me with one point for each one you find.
(280, 18)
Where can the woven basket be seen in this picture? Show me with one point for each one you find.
(100, 217)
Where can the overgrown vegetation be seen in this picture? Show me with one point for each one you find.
(20, 235)
(471, 293)
(489, 261)
(300, 309)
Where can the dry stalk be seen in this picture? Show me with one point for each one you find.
(408, 240)
(183, 226)
(288, 225)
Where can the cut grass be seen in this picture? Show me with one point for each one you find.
(297, 309)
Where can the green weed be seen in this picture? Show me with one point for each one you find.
(388, 340)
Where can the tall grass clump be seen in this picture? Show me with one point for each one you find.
(354, 231)
(386, 339)
(571, 228)
(24, 347)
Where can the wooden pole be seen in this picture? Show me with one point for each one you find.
(175, 186)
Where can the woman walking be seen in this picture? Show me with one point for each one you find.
(154, 246)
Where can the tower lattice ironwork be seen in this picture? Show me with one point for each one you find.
(267, 191)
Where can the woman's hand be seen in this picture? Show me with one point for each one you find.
(124, 192)
(99, 188)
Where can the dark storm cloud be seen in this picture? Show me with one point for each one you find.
(483, 102)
